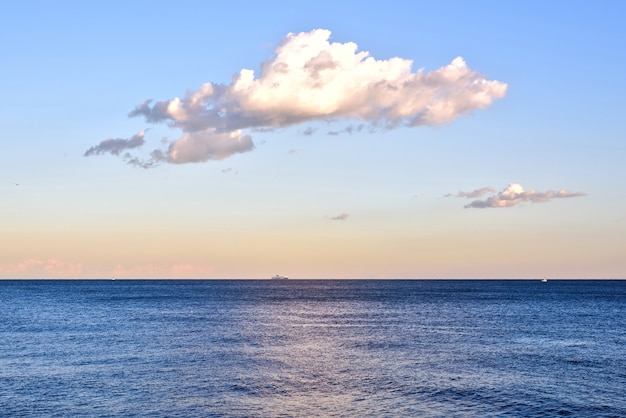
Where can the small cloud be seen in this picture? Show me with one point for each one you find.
(476, 193)
(137, 162)
(348, 130)
(513, 195)
(309, 79)
(340, 217)
(115, 146)
(351, 128)
(207, 145)
(309, 131)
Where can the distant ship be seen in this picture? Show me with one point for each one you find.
(544, 280)
(279, 277)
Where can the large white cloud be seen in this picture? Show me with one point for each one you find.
(311, 78)
(513, 195)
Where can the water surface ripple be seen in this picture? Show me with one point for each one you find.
(312, 348)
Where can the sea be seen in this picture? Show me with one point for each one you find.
(312, 348)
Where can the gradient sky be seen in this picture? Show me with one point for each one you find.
(508, 163)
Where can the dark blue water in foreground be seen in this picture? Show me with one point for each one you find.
(313, 348)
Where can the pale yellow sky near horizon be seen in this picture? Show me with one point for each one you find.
(357, 247)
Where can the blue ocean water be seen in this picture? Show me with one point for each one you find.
(312, 348)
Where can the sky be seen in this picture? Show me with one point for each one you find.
(382, 140)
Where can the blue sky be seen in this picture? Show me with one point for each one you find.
(371, 203)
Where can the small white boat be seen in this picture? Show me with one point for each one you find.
(544, 280)
(279, 277)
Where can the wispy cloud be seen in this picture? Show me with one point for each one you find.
(476, 193)
(513, 195)
(340, 217)
(53, 268)
(33, 267)
(116, 146)
(308, 131)
(349, 129)
(310, 79)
